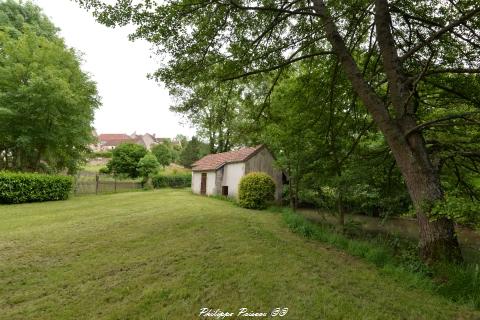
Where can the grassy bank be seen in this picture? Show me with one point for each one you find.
(165, 254)
(397, 257)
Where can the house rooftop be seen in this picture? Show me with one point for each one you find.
(113, 136)
(218, 160)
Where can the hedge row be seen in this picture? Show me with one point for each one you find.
(172, 181)
(33, 187)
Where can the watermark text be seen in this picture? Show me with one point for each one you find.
(242, 312)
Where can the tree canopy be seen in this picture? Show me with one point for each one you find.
(163, 154)
(126, 158)
(192, 152)
(16, 18)
(48, 101)
(413, 67)
(148, 166)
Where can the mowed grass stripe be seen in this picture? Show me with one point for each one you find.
(165, 254)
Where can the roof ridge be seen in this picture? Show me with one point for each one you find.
(215, 161)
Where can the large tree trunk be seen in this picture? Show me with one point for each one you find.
(438, 241)
(437, 238)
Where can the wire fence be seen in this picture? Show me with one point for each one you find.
(95, 183)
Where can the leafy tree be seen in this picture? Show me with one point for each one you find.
(163, 154)
(392, 53)
(182, 140)
(125, 159)
(192, 152)
(48, 101)
(315, 151)
(214, 110)
(17, 18)
(147, 167)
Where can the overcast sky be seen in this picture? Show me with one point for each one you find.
(130, 101)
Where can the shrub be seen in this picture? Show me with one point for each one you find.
(172, 181)
(256, 189)
(125, 159)
(33, 187)
(163, 154)
(148, 165)
(104, 170)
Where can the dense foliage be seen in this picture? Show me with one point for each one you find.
(148, 166)
(17, 18)
(193, 151)
(125, 159)
(33, 187)
(48, 102)
(410, 67)
(256, 190)
(163, 153)
(215, 111)
(172, 181)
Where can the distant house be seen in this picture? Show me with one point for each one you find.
(146, 140)
(173, 142)
(109, 141)
(220, 174)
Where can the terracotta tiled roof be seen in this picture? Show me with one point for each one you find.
(216, 161)
(114, 139)
(113, 136)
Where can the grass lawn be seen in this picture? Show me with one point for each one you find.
(93, 167)
(166, 254)
(174, 169)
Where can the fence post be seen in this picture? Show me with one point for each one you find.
(97, 178)
(75, 188)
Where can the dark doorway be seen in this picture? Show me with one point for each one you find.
(225, 191)
(203, 185)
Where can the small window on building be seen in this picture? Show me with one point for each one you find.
(225, 191)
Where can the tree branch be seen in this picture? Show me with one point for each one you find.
(440, 32)
(366, 93)
(302, 11)
(446, 118)
(452, 70)
(279, 66)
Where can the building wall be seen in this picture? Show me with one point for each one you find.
(148, 141)
(219, 180)
(197, 182)
(231, 177)
(263, 161)
(211, 177)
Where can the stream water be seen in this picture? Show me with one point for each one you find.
(402, 227)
